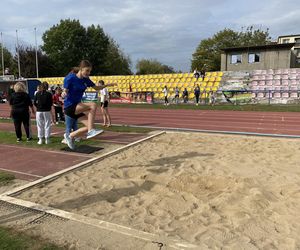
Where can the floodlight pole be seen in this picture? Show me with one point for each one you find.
(18, 55)
(2, 55)
(36, 55)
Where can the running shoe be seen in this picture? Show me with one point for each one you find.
(69, 141)
(93, 133)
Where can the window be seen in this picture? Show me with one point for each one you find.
(297, 41)
(236, 59)
(253, 57)
(285, 40)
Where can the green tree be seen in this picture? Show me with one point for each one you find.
(68, 42)
(208, 52)
(152, 66)
(28, 63)
(116, 62)
(9, 61)
(97, 48)
(65, 44)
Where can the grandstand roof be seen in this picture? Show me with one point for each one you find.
(259, 47)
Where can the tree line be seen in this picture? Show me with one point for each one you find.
(68, 42)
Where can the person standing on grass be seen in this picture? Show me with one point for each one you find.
(43, 103)
(166, 92)
(20, 102)
(75, 85)
(104, 100)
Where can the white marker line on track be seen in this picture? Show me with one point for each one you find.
(18, 172)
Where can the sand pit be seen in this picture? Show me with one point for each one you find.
(215, 191)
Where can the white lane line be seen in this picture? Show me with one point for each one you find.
(18, 172)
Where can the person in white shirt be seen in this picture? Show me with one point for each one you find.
(165, 91)
(104, 100)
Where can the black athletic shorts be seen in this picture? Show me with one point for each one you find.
(70, 111)
(104, 104)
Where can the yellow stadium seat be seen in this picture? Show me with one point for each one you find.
(220, 74)
(208, 74)
(214, 74)
(192, 95)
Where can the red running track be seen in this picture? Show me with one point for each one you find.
(277, 123)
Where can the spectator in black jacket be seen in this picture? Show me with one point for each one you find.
(20, 102)
(197, 94)
(43, 103)
(185, 95)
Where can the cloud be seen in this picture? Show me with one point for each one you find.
(168, 30)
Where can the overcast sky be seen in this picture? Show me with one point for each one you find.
(166, 30)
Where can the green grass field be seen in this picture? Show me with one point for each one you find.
(6, 178)
(253, 107)
(11, 240)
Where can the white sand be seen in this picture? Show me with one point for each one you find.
(216, 191)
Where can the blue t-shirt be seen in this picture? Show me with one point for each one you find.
(76, 87)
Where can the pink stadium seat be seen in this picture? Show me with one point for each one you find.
(278, 72)
(277, 95)
(284, 71)
(255, 77)
(254, 83)
(292, 71)
(261, 87)
(277, 82)
(284, 77)
(285, 95)
(270, 71)
(285, 82)
(269, 77)
(262, 77)
(262, 83)
(257, 72)
(263, 72)
(269, 83)
(260, 95)
(254, 87)
(293, 76)
(293, 82)
(294, 95)
(277, 88)
(277, 77)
